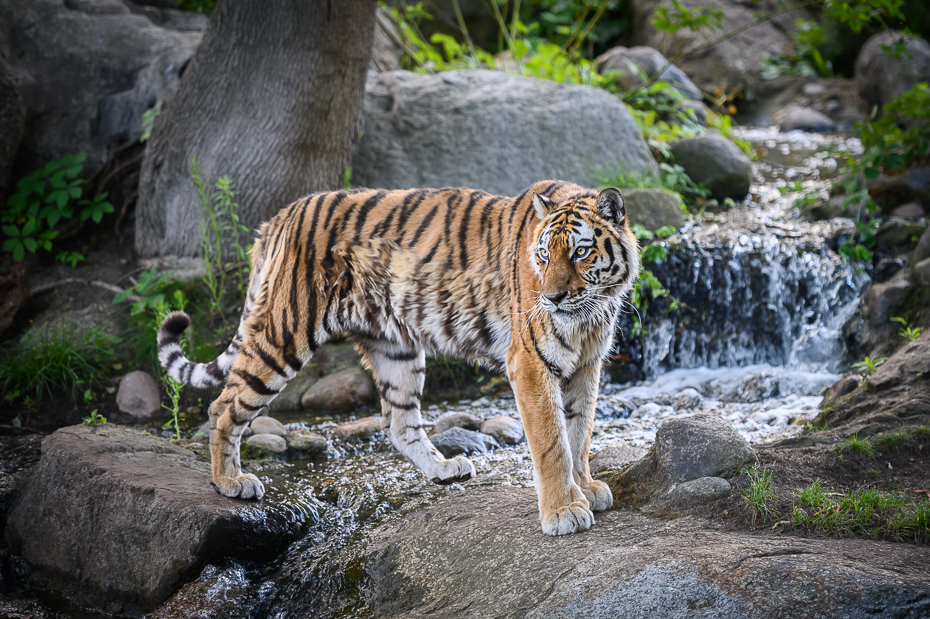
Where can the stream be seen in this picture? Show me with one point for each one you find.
(757, 339)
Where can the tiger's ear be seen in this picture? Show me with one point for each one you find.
(541, 204)
(610, 204)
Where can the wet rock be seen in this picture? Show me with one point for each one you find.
(653, 208)
(698, 492)
(886, 269)
(138, 395)
(457, 441)
(506, 430)
(922, 252)
(892, 191)
(897, 233)
(363, 428)
(880, 76)
(922, 272)
(116, 519)
(912, 211)
(615, 456)
(716, 162)
(456, 420)
(796, 117)
(267, 442)
(328, 359)
(345, 390)
(836, 206)
(435, 561)
(688, 399)
(267, 425)
(843, 386)
(630, 63)
(305, 444)
(703, 445)
(14, 291)
(882, 299)
(482, 129)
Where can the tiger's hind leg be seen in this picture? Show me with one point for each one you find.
(399, 373)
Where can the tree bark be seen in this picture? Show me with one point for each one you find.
(272, 99)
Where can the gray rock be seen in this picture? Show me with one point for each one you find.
(922, 272)
(267, 425)
(182, 270)
(456, 420)
(923, 248)
(615, 457)
(843, 386)
(892, 191)
(506, 430)
(116, 519)
(699, 109)
(836, 206)
(796, 117)
(385, 54)
(345, 390)
(627, 62)
(306, 444)
(882, 299)
(908, 363)
(454, 558)
(492, 131)
(895, 232)
(268, 442)
(363, 428)
(716, 162)
(328, 359)
(653, 208)
(139, 395)
(456, 441)
(911, 211)
(703, 445)
(91, 69)
(698, 492)
(880, 76)
(688, 399)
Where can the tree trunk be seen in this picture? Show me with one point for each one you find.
(272, 99)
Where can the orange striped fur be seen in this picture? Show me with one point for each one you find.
(531, 285)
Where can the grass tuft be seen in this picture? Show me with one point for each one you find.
(856, 445)
(759, 493)
(887, 441)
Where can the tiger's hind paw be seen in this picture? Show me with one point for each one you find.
(571, 518)
(246, 486)
(457, 469)
(599, 496)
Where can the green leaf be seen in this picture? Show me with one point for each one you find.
(871, 172)
(11, 230)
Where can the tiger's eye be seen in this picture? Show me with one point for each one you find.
(581, 252)
(543, 254)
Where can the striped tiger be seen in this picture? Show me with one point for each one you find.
(531, 285)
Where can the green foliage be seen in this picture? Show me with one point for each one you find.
(43, 199)
(199, 6)
(805, 60)
(907, 332)
(855, 445)
(674, 18)
(868, 365)
(891, 440)
(859, 14)
(595, 22)
(94, 419)
(56, 358)
(150, 291)
(347, 178)
(148, 120)
(759, 493)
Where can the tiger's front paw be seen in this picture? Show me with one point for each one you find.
(571, 518)
(599, 496)
(246, 486)
(452, 471)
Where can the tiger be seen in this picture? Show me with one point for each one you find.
(530, 285)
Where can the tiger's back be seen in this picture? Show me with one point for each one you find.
(414, 273)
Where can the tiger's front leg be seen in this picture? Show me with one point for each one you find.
(563, 506)
(399, 374)
(580, 397)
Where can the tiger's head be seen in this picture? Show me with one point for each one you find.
(586, 256)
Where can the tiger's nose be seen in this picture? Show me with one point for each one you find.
(557, 297)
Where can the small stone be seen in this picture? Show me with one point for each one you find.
(359, 429)
(911, 211)
(703, 445)
(507, 430)
(698, 492)
(922, 272)
(138, 395)
(456, 420)
(688, 399)
(615, 457)
(813, 89)
(923, 248)
(304, 443)
(269, 442)
(202, 433)
(896, 232)
(794, 118)
(456, 441)
(345, 390)
(267, 425)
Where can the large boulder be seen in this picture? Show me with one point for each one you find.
(89, 70)
(880, 76)
(715, 162)
(117, 519)
(733, 64)
(654, 208)
(490, 130)
(456, 558)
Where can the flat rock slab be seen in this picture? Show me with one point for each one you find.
(117, 519)
(482, 554)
